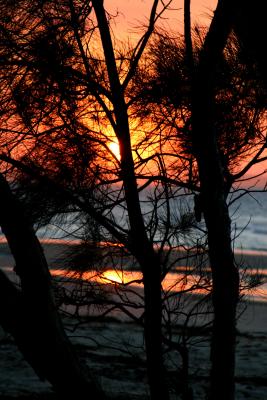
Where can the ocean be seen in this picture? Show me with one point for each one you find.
(248, 214)
(249, 222)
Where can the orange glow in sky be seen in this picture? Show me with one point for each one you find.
(131, 18)
(132, 15)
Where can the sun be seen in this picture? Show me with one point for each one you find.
(115, 149)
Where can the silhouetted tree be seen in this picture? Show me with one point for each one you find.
(214, 182)
(69, 101)
(69, 91)
(214, 101)
(30, 313)
(214, 206)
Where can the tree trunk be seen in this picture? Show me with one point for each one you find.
(224, 272)
(213, 200)
(225, 281)
(150, 265)
(249, 26)
(11, 308)
(139, 244)
(38, 329)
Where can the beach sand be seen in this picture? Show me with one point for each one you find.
(113, 349)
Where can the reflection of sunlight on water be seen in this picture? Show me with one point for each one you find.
(174, 282)
(107, 277)
(257, 294)
(113, 276)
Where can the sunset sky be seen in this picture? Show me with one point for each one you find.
(132, 16)
(134, 13)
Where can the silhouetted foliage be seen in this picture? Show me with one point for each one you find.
(185, 120)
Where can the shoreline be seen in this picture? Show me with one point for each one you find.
(56, 250)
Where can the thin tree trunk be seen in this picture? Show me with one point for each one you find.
(187, 36)
(224, 273)
(150, 265)
(151, 269)
(141, 247)
(225, 280)
(213, 199)
(39, 331)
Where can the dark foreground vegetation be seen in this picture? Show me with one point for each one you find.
(187, 112)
